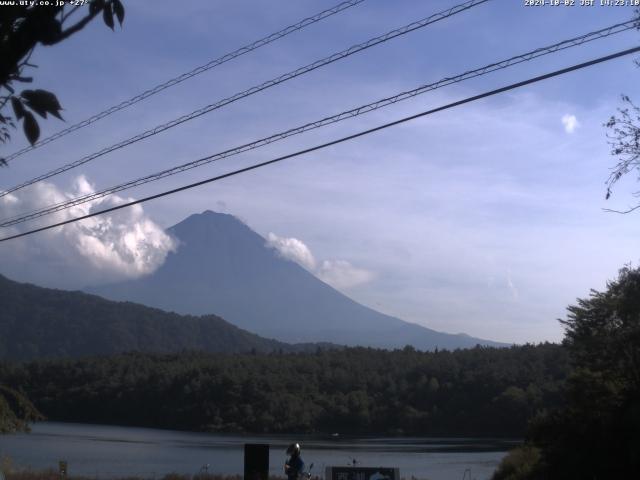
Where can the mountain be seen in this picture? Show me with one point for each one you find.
(40, 322)
(221, 266)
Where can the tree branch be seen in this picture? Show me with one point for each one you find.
(622, 212)
(78, 26)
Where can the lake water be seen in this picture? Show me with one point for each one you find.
(109, 451)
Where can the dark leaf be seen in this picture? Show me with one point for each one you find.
(31, 128)
(118, 9)
(49, 30)
(42, 102)
(96, 6)
(107, 15)
(24, 79)
(18, 108)
(37, 109)
(3, 162)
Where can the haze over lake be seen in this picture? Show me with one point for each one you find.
(109, 451)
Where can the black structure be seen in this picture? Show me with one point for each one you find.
(256, 461)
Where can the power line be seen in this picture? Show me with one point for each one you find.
(333, 142)
(276, 81)
(602, 33)
(185, 76)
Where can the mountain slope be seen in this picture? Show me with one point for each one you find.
(39, 322)
(221, 266)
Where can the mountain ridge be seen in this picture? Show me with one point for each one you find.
(221, 266)
(38, 322)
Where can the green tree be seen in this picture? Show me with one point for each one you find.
(520, 464)
(597, 434)
(22, 28)
(624, 138)
(16, 411)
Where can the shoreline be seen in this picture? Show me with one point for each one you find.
(312, 436)
(106, 452)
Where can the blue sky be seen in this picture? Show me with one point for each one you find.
(485, 219)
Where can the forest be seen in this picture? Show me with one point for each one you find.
(480, 391)
(41, 322)
(576, 405)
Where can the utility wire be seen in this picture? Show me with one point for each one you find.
(474, 98)
(276, 81)
(185, 76)
(573, 42)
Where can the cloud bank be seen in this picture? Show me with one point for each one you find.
(119, 245)
(340, 274)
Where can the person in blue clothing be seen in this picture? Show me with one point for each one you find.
(294, 466)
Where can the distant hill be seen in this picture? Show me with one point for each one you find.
(39, 322)
(222, 266)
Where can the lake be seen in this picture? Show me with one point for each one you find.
(109, 451)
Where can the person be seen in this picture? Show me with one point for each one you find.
(294, 466)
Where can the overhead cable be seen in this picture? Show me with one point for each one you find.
(253, 90)
(185, 76)
(573, 42)
(331, 143)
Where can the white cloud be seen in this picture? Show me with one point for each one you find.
(512, 287)
(339, 274)
(570, 123)
(10, 199)
(292, 249)
(122, 244)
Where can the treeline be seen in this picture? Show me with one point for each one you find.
(479, 391)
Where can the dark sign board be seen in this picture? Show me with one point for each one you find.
(256, 461)
(62, 468)
(362, 473)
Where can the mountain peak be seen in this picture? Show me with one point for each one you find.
(223, 267)
(208, 216)
(42, 322)
(209, 227)
(212, 213)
